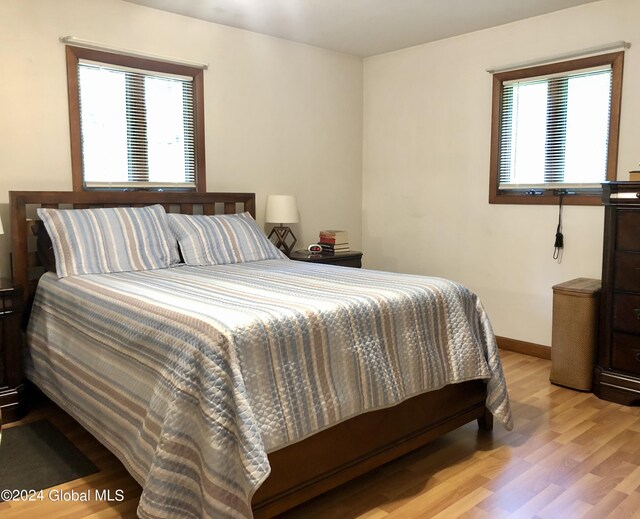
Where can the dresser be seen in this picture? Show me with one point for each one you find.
(617, 372)
(11, 381)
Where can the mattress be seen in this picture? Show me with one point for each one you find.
(192, 375)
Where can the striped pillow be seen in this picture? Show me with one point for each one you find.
(119, 239)
(221, 239)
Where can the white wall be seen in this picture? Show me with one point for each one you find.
(287, 118)
(281, 117)
(426, 166)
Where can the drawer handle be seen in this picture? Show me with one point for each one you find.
(637, 312)
(638, 356)
(637, 195)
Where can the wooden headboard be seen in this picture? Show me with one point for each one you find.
(28, 265)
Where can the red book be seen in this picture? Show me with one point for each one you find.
(331, 241)
(334, 236)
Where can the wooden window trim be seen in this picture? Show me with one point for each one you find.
(75, 54)
(549, 197)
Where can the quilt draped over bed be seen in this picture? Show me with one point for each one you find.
(190, 375)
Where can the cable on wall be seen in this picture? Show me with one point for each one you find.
(559, 243)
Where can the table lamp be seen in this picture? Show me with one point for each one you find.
(282, 209)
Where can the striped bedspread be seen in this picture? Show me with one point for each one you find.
(190, 375)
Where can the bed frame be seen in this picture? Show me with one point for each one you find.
(312, 466)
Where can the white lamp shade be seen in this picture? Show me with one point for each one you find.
(282, 209)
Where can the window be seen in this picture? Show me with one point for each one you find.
(555, 131)
(135, 123)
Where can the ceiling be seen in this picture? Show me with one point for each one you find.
(361, 27)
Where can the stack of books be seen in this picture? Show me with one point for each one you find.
(334, 241)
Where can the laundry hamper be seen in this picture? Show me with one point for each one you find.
(574, 334)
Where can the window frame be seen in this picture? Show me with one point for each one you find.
(549, 196)
(75, 54)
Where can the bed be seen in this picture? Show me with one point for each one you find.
(202, 417)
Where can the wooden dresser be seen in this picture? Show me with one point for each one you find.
(617, 373)
(12, 401)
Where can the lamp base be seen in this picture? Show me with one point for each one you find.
(282, 234)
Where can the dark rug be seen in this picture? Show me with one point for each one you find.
(36, 455)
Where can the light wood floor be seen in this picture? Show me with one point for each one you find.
(570, 455)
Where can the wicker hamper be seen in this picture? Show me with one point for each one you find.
(574, 334)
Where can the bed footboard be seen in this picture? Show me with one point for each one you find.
(345, 451)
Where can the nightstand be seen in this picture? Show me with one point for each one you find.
(344, 259)
(11, 379)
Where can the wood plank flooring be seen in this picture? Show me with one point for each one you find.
(570, 455)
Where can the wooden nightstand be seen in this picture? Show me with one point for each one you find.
(11, 379)
(617, 373)
(344, 259)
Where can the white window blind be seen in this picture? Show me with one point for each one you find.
(137, 127)
(554, 130)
